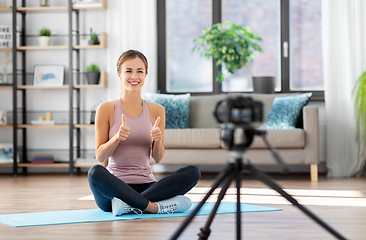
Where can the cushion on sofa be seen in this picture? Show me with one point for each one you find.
(285, 111)
(192, 138)
(283, 138)
(176, 108)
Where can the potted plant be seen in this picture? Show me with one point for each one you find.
(359, 91)
(234, 47)
(94, 40)
(92, 74)
(44, 37)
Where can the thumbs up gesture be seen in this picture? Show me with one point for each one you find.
(124, 130)
(156, 132)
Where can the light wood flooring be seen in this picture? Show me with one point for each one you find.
(341, 203)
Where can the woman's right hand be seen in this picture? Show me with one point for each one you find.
(123, 131)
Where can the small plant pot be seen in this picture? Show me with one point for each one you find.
(92, 42)
(44, 41)
(93, 78)
(264, 84)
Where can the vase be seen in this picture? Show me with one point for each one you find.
(264, 84)
(44, 41)
(93, 78)
(44, 3)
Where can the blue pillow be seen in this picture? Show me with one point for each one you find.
(176, 108)
(285, 111)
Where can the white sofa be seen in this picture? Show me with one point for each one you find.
(200, 144)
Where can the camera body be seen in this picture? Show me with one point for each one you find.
(239, 110)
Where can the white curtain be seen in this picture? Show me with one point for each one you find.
(344, 53)
(131, 25)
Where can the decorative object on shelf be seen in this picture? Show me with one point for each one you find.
(42, 122)
(87, 3)
(6, 36)
(6, 153)
(94, 40)
(3, 119)
(48, 75)
(94, 110)
(43, 158)
(44, 38)
(2, 4)
(44, 3)
(233, 47)
(5, 59)
(48, 116)
(93, 74)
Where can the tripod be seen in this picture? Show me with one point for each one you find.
(233, 170)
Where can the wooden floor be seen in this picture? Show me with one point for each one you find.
(341, 203)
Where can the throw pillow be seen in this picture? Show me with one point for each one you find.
(176, 108)
(285, 111)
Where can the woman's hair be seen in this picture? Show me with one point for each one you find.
(130, 54)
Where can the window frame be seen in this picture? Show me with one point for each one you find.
(216, 18)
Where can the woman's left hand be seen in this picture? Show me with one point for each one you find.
(156, 132)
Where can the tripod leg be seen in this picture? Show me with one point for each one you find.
(218, 180)
(268, 181)
(205, 231)
(238, 174)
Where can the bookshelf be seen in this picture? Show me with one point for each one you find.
(71, 89)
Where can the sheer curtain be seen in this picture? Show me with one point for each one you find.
(131, 25)
(344, 52)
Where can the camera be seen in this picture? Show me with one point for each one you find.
(238, 110)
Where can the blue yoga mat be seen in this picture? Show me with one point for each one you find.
(97, 215)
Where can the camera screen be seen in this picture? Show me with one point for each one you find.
(242, 115)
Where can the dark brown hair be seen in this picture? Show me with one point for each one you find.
(130, 54)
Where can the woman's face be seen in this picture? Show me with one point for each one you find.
(133, 74)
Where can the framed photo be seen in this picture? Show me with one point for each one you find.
(6, 153)
(48, 75)
(3, 119)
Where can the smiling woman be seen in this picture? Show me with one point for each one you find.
(127, 131)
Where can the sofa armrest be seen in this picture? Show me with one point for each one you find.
(311, 128)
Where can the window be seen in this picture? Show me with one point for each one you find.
(292, 50)
(306, 66)
(263, 19)
(187, 71)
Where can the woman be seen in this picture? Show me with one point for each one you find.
(127, 130)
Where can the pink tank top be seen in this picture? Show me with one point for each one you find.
(130, 161)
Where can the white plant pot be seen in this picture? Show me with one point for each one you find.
(44, 41)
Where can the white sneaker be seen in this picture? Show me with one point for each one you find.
(175, 204)
(119, 207)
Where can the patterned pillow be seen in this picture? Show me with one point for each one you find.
(176, 108)
(285, 111)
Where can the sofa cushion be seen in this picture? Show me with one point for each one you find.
(201, 111)
(176, 108)
(192, 138)
(285, 111)
(278, 138)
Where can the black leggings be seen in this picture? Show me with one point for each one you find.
(105, 186)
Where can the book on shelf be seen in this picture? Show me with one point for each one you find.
(43, 159)
(35, 122)
(87, 4)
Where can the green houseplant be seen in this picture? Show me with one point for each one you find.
(359, 92)
(94, 40)
(92, 74)
(44, 37)
(234, 47)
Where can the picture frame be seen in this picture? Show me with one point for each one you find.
(7, 153)
(48, 75)
(3, 118)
